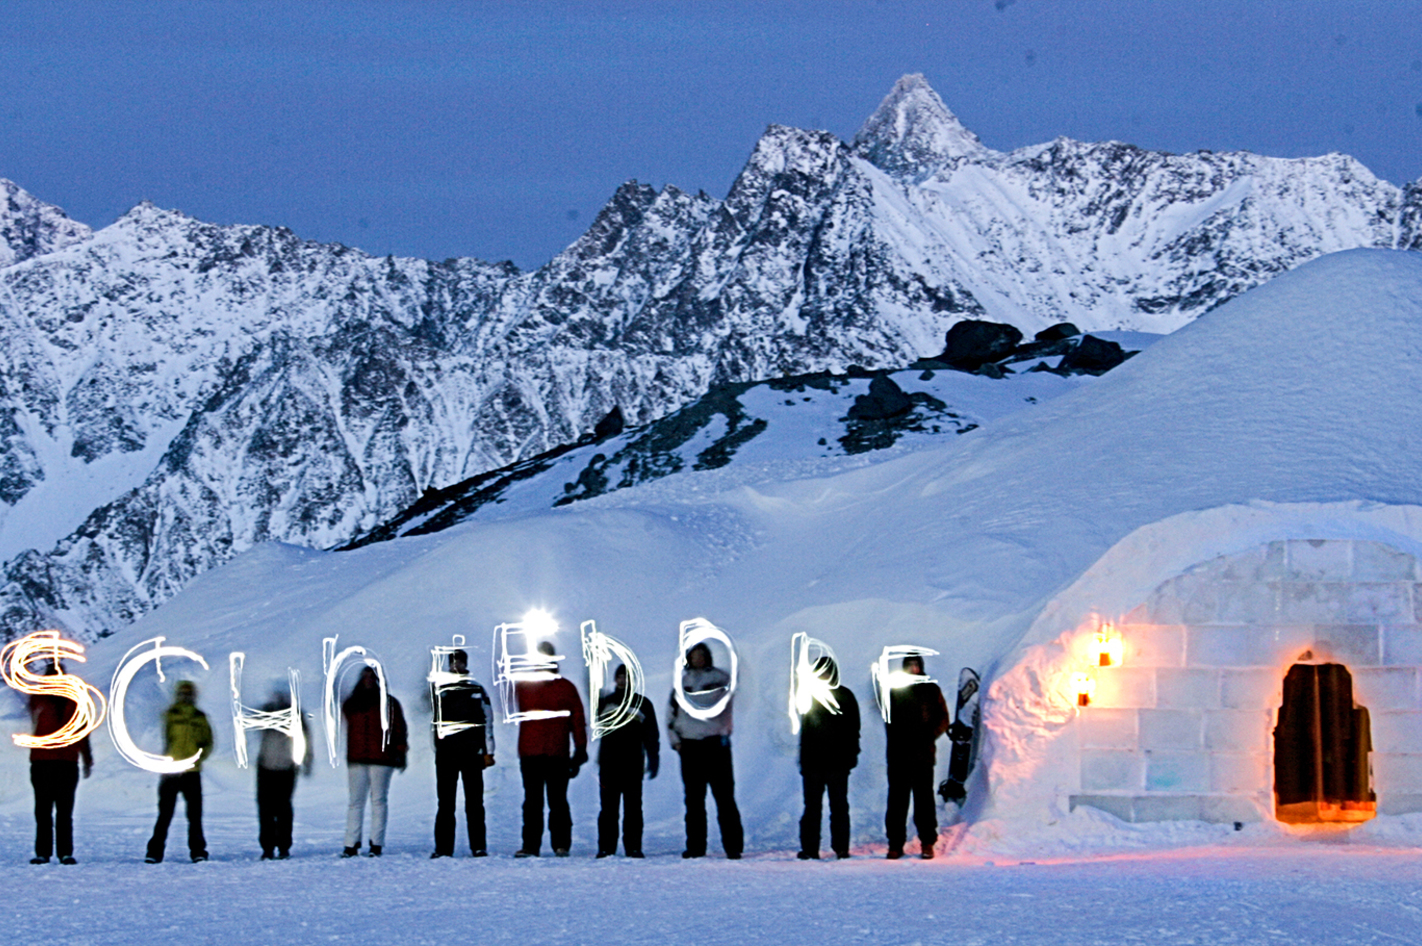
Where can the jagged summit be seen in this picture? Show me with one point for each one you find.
(912, 133)
(30, 227)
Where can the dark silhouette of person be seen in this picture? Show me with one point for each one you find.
(622, 753)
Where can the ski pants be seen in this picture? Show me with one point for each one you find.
(911, 778)
(189, 785)
(707, 763)
(546, 775)
(817, 782)
(274, 815)
(452, 764)
(364, 780)
(54, 782)
(618, 785)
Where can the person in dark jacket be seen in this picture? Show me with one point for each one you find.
(372, 756)
(54, 775)
(186, 733)
(829, 749)
(543, 759)
(464, 748)
(705, 749)
(621, 755)
(277, 767)
(918, 715)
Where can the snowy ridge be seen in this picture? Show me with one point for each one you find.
(30, 227)
(306, 393)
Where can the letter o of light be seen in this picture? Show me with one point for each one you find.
(699, 631)
(118, 729)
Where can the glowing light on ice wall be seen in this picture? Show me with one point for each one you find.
(887, 678)
(517, 659)
(89, 704)
(245, 718)
(332, 663)
(701, 631)
(806, 686)
(118, 728)
(599, 652)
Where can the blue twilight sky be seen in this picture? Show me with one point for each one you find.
(497, 130)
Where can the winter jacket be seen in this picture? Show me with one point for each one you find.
(634, 743)
(918, 715)
(274, 753)
(681, 724)
(186, 733)
(464, 701)
(829, 742)
(365, 742)
(549, 737)
(49, 713)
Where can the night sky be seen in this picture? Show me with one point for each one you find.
(497, 130)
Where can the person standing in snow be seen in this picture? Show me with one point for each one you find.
(918, 715)
(543, 759)
(276, 781)
(705, 749)
(54, 775)
(620, 758)
(829, 749)
(186, 734)
(372, 756)
(463, 749)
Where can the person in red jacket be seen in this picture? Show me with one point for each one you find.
(543, 758)
(54, 774)
(372, 756)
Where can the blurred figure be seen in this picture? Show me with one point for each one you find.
(54, 775)
(543, 759)
(918, 715)
(462, 754)
(829, 750)
(372, 756)
(276, 781)
(705, 749)
(621, 755)
(186, 733)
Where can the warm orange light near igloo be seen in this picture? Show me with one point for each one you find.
(1083, 685)
(1108, 646)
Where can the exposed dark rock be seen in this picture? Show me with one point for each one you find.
(1055, 333)
(611, 425)
(972, 342)
(884, 400)
(1093, 356)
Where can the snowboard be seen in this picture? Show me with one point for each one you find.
(963, 734)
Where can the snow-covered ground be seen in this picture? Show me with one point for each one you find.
(1244, 890)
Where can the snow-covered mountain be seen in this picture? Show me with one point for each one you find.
(173, 392)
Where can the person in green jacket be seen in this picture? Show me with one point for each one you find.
(186, 733)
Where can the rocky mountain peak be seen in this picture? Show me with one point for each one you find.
(912, 133)
(29, 227)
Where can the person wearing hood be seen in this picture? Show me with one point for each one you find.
(918, 715)
(373, 753)
(705, 749)
(829, 750)
(276, 781)
(54, 775)
(543, 760)
(186, 734)
(621, 755)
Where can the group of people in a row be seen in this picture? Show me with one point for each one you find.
(552, 748)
